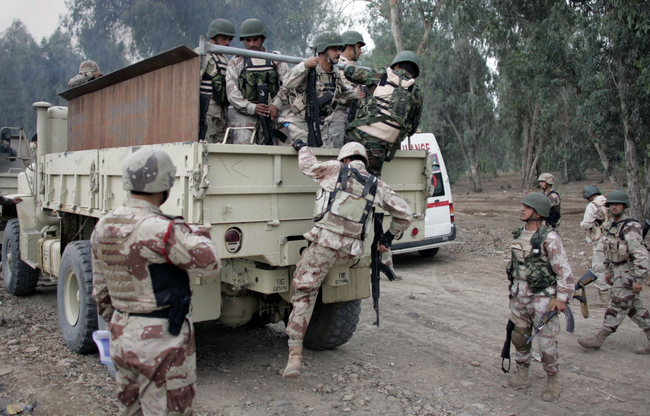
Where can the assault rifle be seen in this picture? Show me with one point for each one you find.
(204, 103)
(312, 109)
(269, 132)
(505, 351)
(377, 266)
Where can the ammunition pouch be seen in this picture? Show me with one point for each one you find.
(171, 287)
(219, 89)
(253, 75)
(614, 245)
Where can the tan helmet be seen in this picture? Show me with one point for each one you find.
(148, 170)
(546, 177)
(88, 66)
(353, 148)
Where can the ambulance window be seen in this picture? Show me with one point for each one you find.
(438, 186)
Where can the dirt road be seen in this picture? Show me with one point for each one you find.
(436, 351)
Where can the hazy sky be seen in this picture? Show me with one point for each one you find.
(40, 16)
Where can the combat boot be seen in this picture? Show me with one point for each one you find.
(646, 348)
(596, 341)
(292, 370)
(553, 389)
(519, 381)
(603, 295)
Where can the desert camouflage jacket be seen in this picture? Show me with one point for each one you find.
(212, 65)
(130, 238)
(235, 96)
(326, 175)
(594, 213)
(635, 267)
(552, 252)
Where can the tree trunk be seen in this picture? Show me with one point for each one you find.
(471, 169)
(607, 165)
(396, 25)
(531, 149)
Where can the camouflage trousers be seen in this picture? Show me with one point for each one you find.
(378, 153)
(216, 129)
(624, 302)
(334, 128)
(526, 310)
(156, 371)
(296, 126)
(311, 270)
(598, 266)
(244, 135)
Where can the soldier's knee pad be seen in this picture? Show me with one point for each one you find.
(519, 338)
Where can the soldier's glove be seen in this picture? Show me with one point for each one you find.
(387, 239)
(298, 144)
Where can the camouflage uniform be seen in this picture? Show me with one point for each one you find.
(85, 74)
(382, 138)
(595, 216)
(328, 249)
(296, 84)
(527, 307)
(243, 111)
(625, 271)
(554, 197)
(335, 125)
(214, 64)
(156, 371)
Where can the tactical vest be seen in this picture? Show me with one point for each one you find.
(614, 244)
(346, 210)
(214, 79)
(326, 89)
(391, 104)
(258, 71)
(554, 214)
(538, 272)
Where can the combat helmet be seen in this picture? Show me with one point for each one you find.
(221, 27)
(539, 202)
(590, 190)
(407, 56)
(618, 197)
(148, 170)
(546, 177)
(351, 149)
(251, 28)
(88, 66)
(327, 39)
(352, 37)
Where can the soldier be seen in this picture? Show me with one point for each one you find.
(595, 216)
(328, 80)
(546, 181)
(142, 261)
(336, 123)
(336, 239)
(213, 83)
(243, 76)
(88, 70)
(627, 263)
(540, 280)
(389, 112)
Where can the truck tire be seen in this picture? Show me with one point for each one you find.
(332, 324)
(431, 252)
(20, 279)
(77, 309)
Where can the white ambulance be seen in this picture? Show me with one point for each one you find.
(440, 228)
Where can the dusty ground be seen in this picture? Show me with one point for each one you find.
(436, 352)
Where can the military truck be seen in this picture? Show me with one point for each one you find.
(253, 199)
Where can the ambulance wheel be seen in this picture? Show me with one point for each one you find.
(332, 324)
(77, 309)
(19, 277)
(431, 252)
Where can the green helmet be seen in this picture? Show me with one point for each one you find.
(539, 202)
(408, 56)
(251, 28)
(589, 191)
(352, 37)
(327, 39)
(221, 27)
(618, 197)
(148, 170)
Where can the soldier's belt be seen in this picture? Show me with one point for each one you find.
(163, 313)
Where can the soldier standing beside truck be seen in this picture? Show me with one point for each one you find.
(390, 112)
(142, 262)
(214, 102)
(345, 201)
(627, 264)
(336, 123)
(242, 78)
(540, 280)
(329, 86)
(593, 220)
